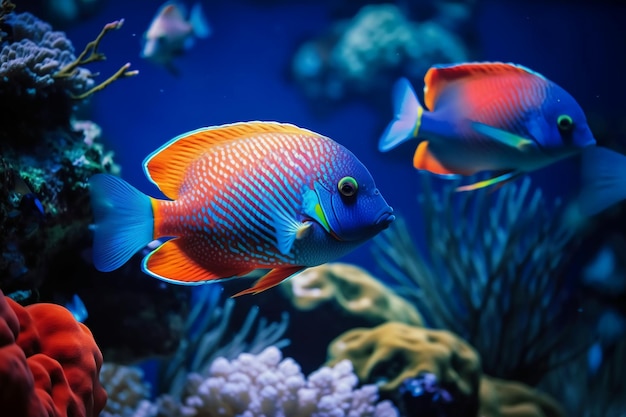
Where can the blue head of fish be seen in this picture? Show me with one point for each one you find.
(563, 124)
(352, 206)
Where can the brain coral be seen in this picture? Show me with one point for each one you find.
(49, 363)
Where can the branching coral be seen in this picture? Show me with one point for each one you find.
(49, 363)
(493, 274)
(91, 54)
(41, 79)
(268, 385)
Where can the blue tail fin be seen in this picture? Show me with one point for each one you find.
(124, 221)
(603, 179)
(408, 115)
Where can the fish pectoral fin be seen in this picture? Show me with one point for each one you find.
(424, 159)
(169, 262)
(497, 181)
(288, 230)
(271, 279)
(502, 136)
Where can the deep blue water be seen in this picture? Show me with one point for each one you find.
(240, 73)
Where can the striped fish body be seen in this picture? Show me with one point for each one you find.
(487, 117)
(510, 100)
(256, 195)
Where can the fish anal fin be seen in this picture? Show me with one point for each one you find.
(423, 159)
(166, 166)
(271, 279)
(170, 262)
(438, 77)
(495, 182)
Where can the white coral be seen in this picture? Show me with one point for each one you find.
(267, 385)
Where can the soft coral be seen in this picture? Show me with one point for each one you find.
(49, 363)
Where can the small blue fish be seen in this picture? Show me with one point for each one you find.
(170, 34)
(77, 308)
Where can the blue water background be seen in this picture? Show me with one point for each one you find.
(241, 73)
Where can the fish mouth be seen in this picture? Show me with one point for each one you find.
(385, 218)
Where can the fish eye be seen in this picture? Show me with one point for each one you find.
(564, 122)
(348, 186)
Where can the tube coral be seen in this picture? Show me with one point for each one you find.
(49, 363)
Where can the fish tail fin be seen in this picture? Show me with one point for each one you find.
(199, 22)
(603, 179)
(124, 221)
(408, 117)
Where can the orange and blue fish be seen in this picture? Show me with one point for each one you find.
(487, 117)
(241, 197)
(503, 118)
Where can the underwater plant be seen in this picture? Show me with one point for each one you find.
(493, 272)
(207, 336)
(591, 394)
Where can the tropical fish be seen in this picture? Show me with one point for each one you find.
(170, 34)
(243, 196)
(77, 308)
(487, 117)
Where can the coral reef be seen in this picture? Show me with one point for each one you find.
(268, 385)
(365, 54)
(126, 388)
(250, 385)
(49, 363)
(46, 155)
(434, 372)
(393, 352)
(353, 290)
(44, 215)
(493, 273)
(41, 80)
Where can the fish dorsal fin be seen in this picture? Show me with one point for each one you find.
(167, 165)
(439, 76)
(173, 10)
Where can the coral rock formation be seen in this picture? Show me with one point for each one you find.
(49, 363)
(354, 290)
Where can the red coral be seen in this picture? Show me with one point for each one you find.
(49, 363)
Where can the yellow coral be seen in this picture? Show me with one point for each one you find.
(392, 352)
(354, 289)
(499, 398)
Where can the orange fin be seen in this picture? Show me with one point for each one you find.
(169, 262)
(271, 279)
(167, 165)
(439, 76)
(424, 160)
